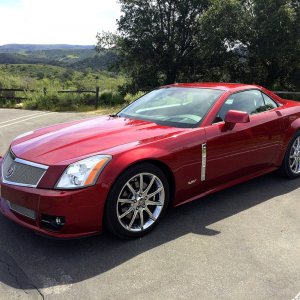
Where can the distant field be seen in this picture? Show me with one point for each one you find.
(47, 80)
(36, 76)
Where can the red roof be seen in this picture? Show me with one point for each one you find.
(213, 85)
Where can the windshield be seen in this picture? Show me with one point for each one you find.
(175, 106)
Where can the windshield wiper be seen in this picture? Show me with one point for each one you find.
(114, 116)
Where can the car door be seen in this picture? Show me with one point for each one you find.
(246, 148)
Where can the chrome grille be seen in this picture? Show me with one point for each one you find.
(20, 172)
(22, 210)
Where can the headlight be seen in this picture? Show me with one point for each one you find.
(83, 173)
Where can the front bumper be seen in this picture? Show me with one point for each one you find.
(82, 209)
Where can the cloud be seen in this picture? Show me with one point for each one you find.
(57, 21)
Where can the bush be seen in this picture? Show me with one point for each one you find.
(69, 101)
(38, 77)
(117, 98)
(132, 97)
(51, 101)
(110, 97)
(31, 104)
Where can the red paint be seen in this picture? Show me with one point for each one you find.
(254, 146)
(235, 116)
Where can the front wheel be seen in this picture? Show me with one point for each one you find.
(291, 164)
(137, 201)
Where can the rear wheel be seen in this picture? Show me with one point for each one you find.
(137, 201)
(291, 164)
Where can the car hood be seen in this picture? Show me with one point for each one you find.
(67, 142)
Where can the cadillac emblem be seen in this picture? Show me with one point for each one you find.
(10, 172)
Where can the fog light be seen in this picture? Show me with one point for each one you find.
(59, 221)
(53, 223)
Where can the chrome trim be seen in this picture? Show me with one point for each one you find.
(2, 175)
(26, 212)
(25, 162)
(21, 184)
(32, 164)
(203, 165)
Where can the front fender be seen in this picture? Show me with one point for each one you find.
(121, 162)
(181, 155)
(292, 128)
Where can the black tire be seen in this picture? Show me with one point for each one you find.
(114, 210)
(286, 169)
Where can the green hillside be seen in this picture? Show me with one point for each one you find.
(32, 76)
(42, 71)
(17, 58)
(76, 57)
(15, 48)
(101, 61)
(54, 79)
(61, 55)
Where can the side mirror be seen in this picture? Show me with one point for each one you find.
(236, 116)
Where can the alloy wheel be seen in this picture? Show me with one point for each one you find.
(294, 160)
(140, 202)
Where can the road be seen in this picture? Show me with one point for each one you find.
(241, 243)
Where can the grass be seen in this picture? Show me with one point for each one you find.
(108, 101)
(42, 83)
(37, 76)
(54, 78)
(102, 110)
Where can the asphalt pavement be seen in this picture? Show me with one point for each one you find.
(241, 243)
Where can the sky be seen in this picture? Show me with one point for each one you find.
(56, 21)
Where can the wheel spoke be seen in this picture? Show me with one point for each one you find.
(294, 162)
(133, 218)
(294, 149)
(149, 185)
(141, 183)
(147, 210)
(298, 165)
(149, 202)
(128, 201)
(142, 219)
(131, 188)
(154, 193)
(126, 212)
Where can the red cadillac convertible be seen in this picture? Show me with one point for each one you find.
(171, 146)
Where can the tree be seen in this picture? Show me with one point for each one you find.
(157, 38)
(220, 56)
(274, 42)
(252, 41)
(164, 41)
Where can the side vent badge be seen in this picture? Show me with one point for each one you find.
(203, 167)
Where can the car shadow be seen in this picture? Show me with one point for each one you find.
(57, 262)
